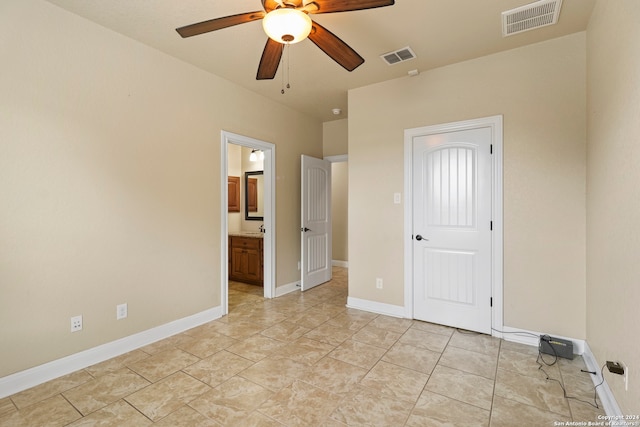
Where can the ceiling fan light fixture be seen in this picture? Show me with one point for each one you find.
(287, 25)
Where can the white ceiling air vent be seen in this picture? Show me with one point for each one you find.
(397, 56)
(530, 16)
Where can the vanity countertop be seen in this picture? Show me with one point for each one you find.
(254, 234)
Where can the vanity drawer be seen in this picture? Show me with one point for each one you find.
(245, 242)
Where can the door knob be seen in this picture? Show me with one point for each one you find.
(419, 237)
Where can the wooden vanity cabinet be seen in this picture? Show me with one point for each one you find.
(246, 259)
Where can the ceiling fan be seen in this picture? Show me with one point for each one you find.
(288, 22)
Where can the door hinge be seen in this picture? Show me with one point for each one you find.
(491, 149)
(491, 302)
(491, 225)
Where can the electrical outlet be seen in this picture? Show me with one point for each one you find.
(379, 283)
(76, 323)
(121, 311)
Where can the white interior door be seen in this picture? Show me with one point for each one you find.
(315, 222)
(452, 210)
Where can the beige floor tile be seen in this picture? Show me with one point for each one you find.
(433, 328)
(186, 417)
(311, 318)
(7, 406)
(50, 388)
(232, 401)
(378, 337)
(351, 320)
(119, 414)
(304, 350)
(470, 361)
(540, 393)
(518, 347)
(239, 329)
(170, 343)
(255, 347)
(358, 354)
(331, 307)
(509, 413)
(368, 408)
(394, 324)
(165, 396)
(163, 364)
(330, 334)
(285, 331)
(334, 375)
(463, 386)
(217, 368)
(104, 390)
(525, 364)
(479, 343)
(424, 339)
(205, 346)
(52, 412)
(585, 410)
(439, 411)
(300, 404)
(396, 382)
(408, 356)
(116, 363)
(275, 372)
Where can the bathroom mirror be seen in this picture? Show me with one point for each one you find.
(254, 196)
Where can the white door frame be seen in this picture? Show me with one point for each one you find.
(495, 123)
(269, 243)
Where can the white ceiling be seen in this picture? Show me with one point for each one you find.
(440, 32)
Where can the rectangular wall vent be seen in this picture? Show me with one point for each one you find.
(400, 55)
(530, 16)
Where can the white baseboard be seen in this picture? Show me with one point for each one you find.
(376, 307)
(28, 378)
(339, 263)
(609, 403)
(288, 288)
(532, 338)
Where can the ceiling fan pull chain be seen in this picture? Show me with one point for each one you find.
(288, 65)
(282, 75)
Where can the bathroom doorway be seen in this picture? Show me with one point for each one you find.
(247, 214)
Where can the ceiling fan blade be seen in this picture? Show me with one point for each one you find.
(219, 23)
(329, 6)
(270, 60)
(338, 50)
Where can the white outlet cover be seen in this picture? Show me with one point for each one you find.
(76, 323)
(121, 311)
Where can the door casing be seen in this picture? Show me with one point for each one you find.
(495, 123)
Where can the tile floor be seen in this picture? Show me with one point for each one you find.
(307, 360)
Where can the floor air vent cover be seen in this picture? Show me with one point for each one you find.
(530, 16)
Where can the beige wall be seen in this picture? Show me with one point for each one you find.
(613, 192)
(339, 211)
(110, 183)
(540, 90)
(335, 136)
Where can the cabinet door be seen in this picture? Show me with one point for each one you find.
(233, 193)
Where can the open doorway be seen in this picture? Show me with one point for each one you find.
(249, 212)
